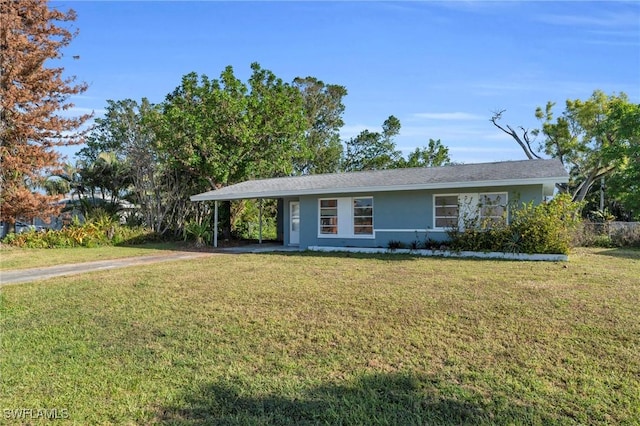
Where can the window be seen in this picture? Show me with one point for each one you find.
(446, 211)
(493, 208)
(363, 216)
(346, 217)
(328, 216)
(458, 210)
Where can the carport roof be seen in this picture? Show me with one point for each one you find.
(505, 173)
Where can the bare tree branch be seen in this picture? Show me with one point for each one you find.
(524, 141)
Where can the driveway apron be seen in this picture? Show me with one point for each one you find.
(27, 275)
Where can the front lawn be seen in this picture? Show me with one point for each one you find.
(24, 258)
(329, 339)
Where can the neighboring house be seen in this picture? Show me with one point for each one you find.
(371, 208)
(72, 210)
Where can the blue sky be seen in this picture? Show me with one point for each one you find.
(442, 67)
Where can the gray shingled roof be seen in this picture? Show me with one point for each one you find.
(545, 172)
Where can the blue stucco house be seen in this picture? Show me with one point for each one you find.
(371, 208)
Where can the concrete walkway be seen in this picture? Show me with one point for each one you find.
(17, 276)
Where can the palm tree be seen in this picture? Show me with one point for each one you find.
(72, 176)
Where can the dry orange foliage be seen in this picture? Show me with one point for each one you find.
(33, 98)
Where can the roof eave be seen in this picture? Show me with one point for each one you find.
(212, 196)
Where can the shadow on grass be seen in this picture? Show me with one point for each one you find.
(190, 246)
(623, 253)
(397, 399)
(345, 254)
(388, 255)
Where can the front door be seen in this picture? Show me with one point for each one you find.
(294, 223)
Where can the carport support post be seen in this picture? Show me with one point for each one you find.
(260, 222)
(215, 224)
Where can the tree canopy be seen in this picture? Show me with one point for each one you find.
(223, 131)
(623, 183)
(32, 100)
(207, 133)
(596, 138)
(435, 154)
(323, 109)
(373, 150)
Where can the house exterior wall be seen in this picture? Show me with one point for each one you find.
(403, 216)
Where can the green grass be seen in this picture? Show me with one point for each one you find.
(19, 258)
(330, 339)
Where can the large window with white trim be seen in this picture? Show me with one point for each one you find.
(363, 216)
(493, 208)
(346, 217)
(446, 211)
(458, 210)
(329, 216)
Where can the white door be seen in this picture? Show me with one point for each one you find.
(294, 223)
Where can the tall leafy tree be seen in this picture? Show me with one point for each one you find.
(593, 138)
(222, 131)
(56, 186)
(277, 126)
(127, 135)
(623, 184)
(32, 98)
(373, 150)
(577, 139)
(219, 132)
(73, 179)
(323, 109)
(109, 175)
(435, 154)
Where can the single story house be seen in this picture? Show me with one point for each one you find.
(372, 208)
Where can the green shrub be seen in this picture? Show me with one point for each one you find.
(136, 235)
(95, 233)
(543, 228)
(199, 232)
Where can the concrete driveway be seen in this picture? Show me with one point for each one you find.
(26, 275)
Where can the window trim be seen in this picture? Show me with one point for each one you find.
(505, 205)
(353, 217)
(441, 228)
(321, 217)
(471, 195)
(346, 215)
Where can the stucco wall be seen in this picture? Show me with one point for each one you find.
(400, 216)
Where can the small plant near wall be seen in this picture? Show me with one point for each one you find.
(512, 243)
(415, 245)
(431, 244)
(394, 245)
